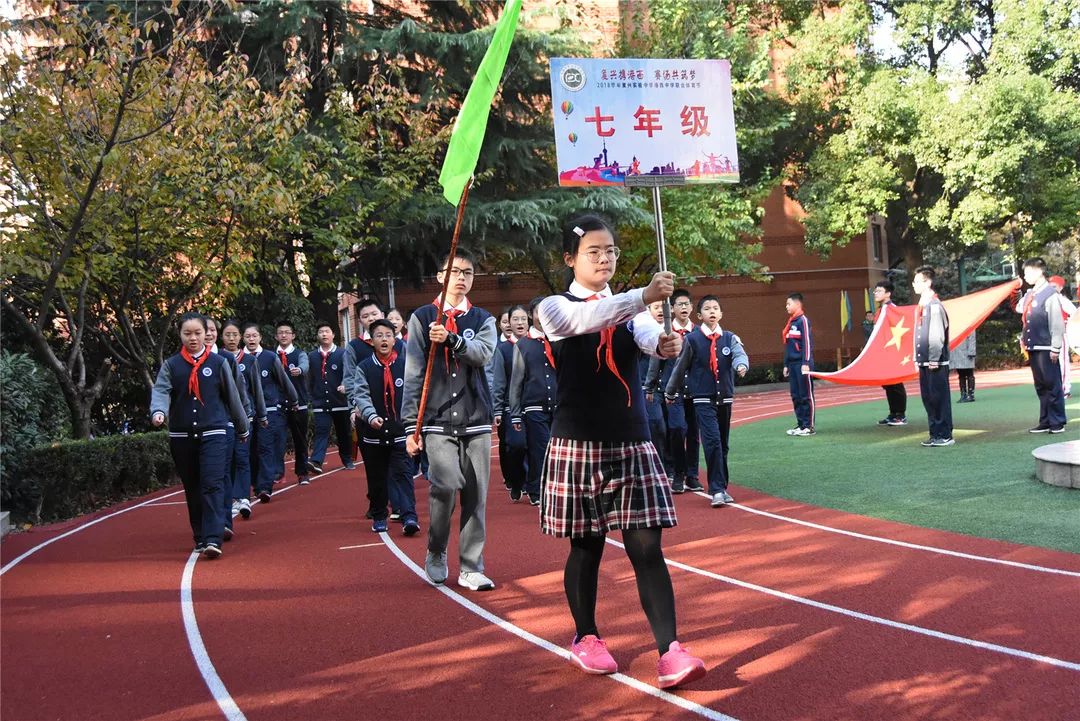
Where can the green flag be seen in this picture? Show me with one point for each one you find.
(468, 134)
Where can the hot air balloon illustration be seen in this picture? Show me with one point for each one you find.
(572, 137)
(567, 108)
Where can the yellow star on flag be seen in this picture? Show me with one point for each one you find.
(898, 332)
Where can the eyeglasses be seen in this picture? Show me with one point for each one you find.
(459, 272)
(595, 254)
(682, 303)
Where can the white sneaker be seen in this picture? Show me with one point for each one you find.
(804, 432)
(245, 508)
(475, 581)
(727, 497)
(793, 431)
(717, 500)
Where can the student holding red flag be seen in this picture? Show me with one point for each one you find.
(895, 393)
(932, 358)
(195, 392)
(1042, 335)
(602, 473)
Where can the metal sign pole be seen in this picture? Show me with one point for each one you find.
(661, 251)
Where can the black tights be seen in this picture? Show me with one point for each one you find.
(653, 582)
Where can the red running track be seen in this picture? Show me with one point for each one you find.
(310, 615)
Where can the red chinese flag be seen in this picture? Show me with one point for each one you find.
(889, 355)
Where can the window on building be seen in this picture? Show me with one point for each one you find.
(346, 327)
(876, 234)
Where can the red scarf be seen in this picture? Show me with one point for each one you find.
(193, 379)
(240, 357)
(713, 337)
(547, 350)
(284, 359)
(324, 357)
(389, 394)
(451, 325)
(794, 317)
(607, 341)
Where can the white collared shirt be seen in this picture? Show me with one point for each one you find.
(288, 350)
(707, 331)
(534, 332)
(688, 327)
(333, 347)
(563, 318)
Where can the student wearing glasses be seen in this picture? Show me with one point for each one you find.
(456, 427)
(602, 473)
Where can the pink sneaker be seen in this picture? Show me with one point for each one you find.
(677, 666)
(591, 654)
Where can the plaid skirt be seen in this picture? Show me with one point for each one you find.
(592, 487)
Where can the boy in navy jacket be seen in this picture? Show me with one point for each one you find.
(533, 390)
(377, 397)
(195, 393)
(268, 464)
(710, 358)
(326, 388)
(798, 362)
(232, 341)
(932, 358)
(295, 362)
(1041, 336)
(456, 426)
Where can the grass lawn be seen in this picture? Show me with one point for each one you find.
(983, 486)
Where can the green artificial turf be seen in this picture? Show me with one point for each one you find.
(983, 486)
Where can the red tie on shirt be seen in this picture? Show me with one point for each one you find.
(193, 379)
(451, 325)
(324, 357)
(284, 359)
(607, 341)
(389, 394)
(713, 337)
(240, 355)
(547, 350)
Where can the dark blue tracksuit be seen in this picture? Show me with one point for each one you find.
(655, 410)
(932, 346)
(680, 419)
(512, 443)
(326, 373)
(198, 436)
(242, 478)
(712, 391)
(388, 468)
(1038, 338)
(278, 391)
(296, 419)
(799, 351)
(533, 393)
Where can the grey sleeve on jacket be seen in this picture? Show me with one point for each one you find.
(1057, 323)
(348, 366)
(939, 322)
(517, 385)
(738, 354)
(415, 363)
(477, 351)
(304, 364)
(257, 391)
(361, 397)
(652, 376)
(241, 389)
(285, 382)
(499, 398)
(686, 355)
(161, 394)
(231, 396)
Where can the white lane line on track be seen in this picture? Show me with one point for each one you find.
(198, 649)
(362, 545)
(166, 503)
(703, 711)
(15, 561)
(903, 544)
(996, 648)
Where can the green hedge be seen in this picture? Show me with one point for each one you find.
(68, 479)
(32, 410)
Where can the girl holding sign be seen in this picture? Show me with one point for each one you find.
(602, 472)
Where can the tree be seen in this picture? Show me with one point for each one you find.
(952, 157)
(138, 180)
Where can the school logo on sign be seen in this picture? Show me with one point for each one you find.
(207, 372)
(468, 334)
(572, 78)
(399, 382)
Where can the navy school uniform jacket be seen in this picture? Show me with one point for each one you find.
(695, 365)
(798, 344)
(1040, 310)
(357, 351)
(459, 398)
(374, 400)
(324, 378)
(188, 415)
(297, 358)
(277, 388)
(533, 380)
(604, 404)
(931, 333)
(502, 363)
(249, 371)
(238, 379)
